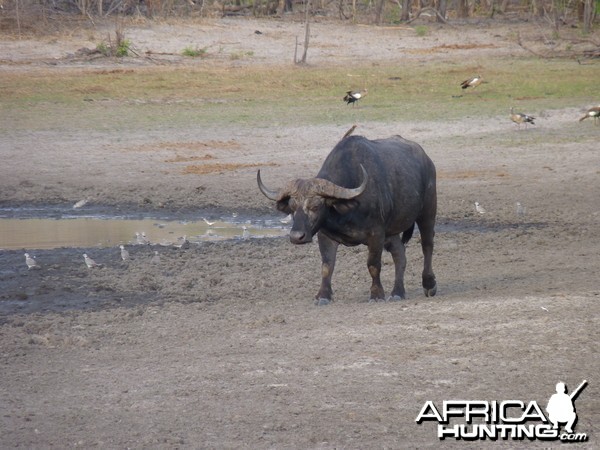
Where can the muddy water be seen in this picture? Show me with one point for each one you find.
(44, 233)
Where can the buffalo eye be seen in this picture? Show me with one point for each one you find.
(284, 205)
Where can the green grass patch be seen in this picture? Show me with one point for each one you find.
(194, 52)
(257, 96)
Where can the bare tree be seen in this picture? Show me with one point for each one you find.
(406, 5)
(306, 34)
(589, 14)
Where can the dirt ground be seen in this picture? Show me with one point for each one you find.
(221, 346)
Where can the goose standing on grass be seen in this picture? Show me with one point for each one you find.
(520, 118)
(354, 96)
(594, 112)
(471, 82)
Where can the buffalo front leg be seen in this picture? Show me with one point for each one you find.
(375, 245)
(395, 246)
(328, 249)
(429, 283)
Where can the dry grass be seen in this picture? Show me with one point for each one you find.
(186, 146)
(467, 174)
(446, 47)
(203, 169)
(181, 158)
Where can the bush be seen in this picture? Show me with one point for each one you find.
(194, 52)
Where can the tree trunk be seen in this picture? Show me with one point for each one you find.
(306, 31)
(379, 14)
(442, 7)
(406, 4)
(462, 9)
(588, 15)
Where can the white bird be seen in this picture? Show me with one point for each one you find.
(208, 222)
(182, 242)
(287, 219)
(89, 262)
(141, 239)
(156, 258)
(245, 233)
(544, 308)
(31, 262)
(81, 203)
(520, 209)
(124, 253)
(480, 209)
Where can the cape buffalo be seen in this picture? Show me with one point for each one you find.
(367, 192)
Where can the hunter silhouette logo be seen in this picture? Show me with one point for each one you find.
(560, 406)
(508, 419)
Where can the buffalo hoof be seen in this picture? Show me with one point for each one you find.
(376, 300)
(322, 301)
(430, 292)
(395, 298)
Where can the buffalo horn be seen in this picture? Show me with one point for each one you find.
(271, 195)
(328, 189)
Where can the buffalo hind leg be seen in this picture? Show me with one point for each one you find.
(427, 234)
(328, 249)
(375, 245)
(395, 246)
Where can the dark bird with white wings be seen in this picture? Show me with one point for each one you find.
(472, 82)
(354, 96)
(594, 112)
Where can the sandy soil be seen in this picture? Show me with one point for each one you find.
(220, 345)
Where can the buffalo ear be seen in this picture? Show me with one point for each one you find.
(344, 206)
(283, 205)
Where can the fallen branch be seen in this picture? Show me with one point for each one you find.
(430, 9)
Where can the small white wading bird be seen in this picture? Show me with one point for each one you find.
(286, 219)
(480, 209)
(156, 258)
(124, 253)
(31, 262)
(182, 242)
(520, 209)
(245, 233)
(89, 262)
(141, 238)
(81, 203)
(208, 222)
